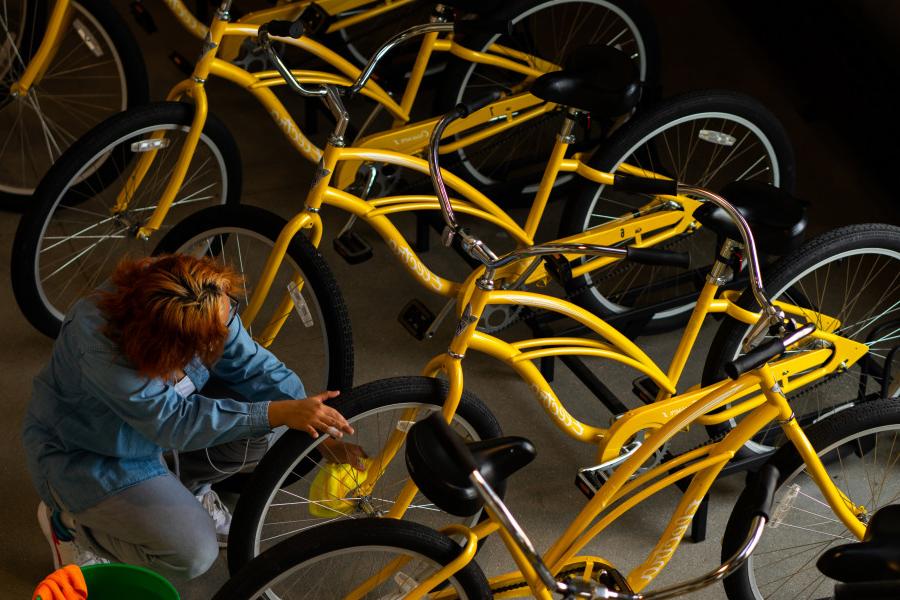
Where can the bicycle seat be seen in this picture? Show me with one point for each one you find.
(876, 558)
(776, 218)
(599, 79)
(439, 472)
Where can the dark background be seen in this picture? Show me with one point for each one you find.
(829, 69)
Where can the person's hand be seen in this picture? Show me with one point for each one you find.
(344, 453)
(310, 415)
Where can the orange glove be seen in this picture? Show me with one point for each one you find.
(66, 583)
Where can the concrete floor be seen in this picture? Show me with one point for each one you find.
(695, 56)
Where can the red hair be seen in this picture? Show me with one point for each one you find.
(165, 311)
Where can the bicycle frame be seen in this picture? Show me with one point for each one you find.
(758, 394)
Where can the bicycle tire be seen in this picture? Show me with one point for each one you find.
(325, 342)
(803, 277)
(284, 562)
(66, 194)
(51, 102)
(625, 286)
(844, 440)
(515, 166)
(294, 456)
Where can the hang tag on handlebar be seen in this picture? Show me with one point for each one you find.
(300, 304)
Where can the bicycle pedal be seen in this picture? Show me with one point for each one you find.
(352, 247)
(559, 268)
(416, 318)
(645, 389)
(314, 19)
(143, 17)
(589, 481)
(183, 64)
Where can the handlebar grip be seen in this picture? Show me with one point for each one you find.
(291, 29)
(763, 493)
(651, 256)
(754, 358)
(452, 443)
(644, 185)
(479, 26)
(464, 109)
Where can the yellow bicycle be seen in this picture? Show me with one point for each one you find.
(826, 331)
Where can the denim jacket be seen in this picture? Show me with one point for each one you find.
(95, 426)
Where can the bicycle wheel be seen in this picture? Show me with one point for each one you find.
(551, 30)
(337, 558)
(276, 503)
(97, 71)
(707, 138)
(360, 41)
(851, 274)
(70, 239)
(314, 339)
(860, 448)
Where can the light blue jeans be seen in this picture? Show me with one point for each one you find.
(158, 523)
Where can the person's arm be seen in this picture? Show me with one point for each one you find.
(310, 415)
(254, 372)
(156, 410)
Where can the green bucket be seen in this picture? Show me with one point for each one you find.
(116, 581)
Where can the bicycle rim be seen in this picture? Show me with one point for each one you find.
(85, 83)
(860, 288)
(81, 240)
(549, 30)
(864, 465)
(288, 510)
(707, 149)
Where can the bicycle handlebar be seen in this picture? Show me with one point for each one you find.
(291, 29)
(266, 44)
(400, 38)
(295, 29)
(765, 352)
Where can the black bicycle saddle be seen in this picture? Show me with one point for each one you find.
(777, 219)
(876, 558)
(438, 469)
(599, 79)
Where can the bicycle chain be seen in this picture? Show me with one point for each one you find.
(515, 586)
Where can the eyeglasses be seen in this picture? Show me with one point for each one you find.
(234, 307)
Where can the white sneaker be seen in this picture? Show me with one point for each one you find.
(64, 553)
(220, 514)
